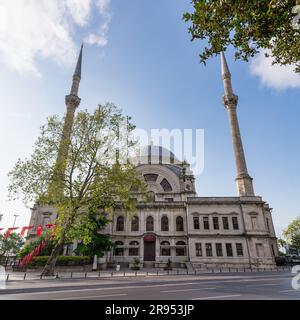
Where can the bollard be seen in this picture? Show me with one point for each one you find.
(71, 275)
(136, 274)
(220, 270)
(112, 274)
(85, 275)
(99, 274)
(25, 276)
(177, 271)
(157, 272)
(7, 277)
(124, 273)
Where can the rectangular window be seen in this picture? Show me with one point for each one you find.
(208, 248)
(235, 223)
(239, 250)
(133, 252)
(268, 225)
(254, 223)
(216, 223)
(196, 223)
(229, 251)
(199, 249)
(219, 250)
(225, 223)
(205, 223)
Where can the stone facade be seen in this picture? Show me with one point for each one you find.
(208, 232)
(178, 225)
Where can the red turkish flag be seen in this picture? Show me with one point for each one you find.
(39, 231)
(9, 231)
(24, 229)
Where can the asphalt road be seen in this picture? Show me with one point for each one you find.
(258, 286)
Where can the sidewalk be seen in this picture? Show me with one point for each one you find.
(128, 273)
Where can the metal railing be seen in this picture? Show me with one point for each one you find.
(23, 276)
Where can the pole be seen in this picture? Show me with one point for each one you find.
(16, 216)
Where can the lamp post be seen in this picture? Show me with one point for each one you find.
(16, 216)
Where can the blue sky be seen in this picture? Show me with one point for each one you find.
(139, 56)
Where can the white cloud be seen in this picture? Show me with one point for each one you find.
(43, 29)
(100, 39)
(274, 76)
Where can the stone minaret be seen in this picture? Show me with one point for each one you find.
(243, 180)
(72, 102)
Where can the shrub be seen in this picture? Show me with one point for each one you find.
(61, 261)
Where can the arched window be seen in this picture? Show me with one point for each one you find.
(135, 224)
(151, 177)
(150, 224)
(164, 223)
(120, 223)
(119, 249)
(165, 249)
(166, 185)
(180, 249)
(134, 249)
(179, 224)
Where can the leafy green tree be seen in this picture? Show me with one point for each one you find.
(91, 173)
(292, 229)
(248, 26)
(10, 245)
(94, 242)
(295, 242)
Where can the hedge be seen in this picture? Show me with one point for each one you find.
(61, 261)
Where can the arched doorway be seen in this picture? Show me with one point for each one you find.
(149, 247)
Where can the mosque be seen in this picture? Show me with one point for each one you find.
(177, 224)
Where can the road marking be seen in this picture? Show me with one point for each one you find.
(199, 282)
(292, 290)
(186, 290)
(262, 285)
(219, 297)
(93, 297)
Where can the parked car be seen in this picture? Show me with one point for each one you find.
(292, 259)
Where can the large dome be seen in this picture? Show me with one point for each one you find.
(152, 154)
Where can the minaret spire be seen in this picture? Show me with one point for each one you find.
(244, 181)
(77, 74)
(72, 103)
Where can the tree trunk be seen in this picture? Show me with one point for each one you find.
(50, 265)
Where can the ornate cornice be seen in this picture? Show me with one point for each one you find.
(72, 101)
(231, 102)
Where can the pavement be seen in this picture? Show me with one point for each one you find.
(222, 286)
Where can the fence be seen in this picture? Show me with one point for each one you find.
(23, 276)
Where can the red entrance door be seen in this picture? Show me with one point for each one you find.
(149, 248)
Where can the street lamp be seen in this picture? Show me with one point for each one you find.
(16, 216)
